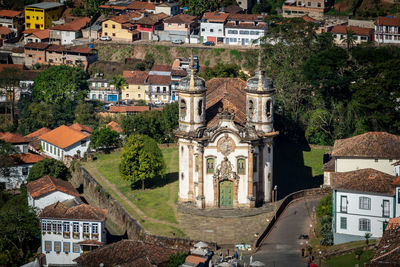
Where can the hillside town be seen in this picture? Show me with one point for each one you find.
(184, 133)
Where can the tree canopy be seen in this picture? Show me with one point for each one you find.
(104, 138)
(51, 167)
(223, 70)
(141, 159)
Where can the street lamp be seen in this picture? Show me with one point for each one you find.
(275, 193)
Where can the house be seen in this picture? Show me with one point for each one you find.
(101, 89)
(12, 19)
(160, 84)
(41, 15)
(128, 253)
(10, 93)
(122, 27)
(171, 8)
(67, 33)
(34, 141)
(328, 168)
(299, 8)
(360, 35)
(245, 29)
(124, 110)
(145, 7)
(26, 84)
(181, 26)
(387, 30)
(377, 150)
(363, 201)
(149, 24)
(36, 36)
(82, 128)
(19, 142)
(212, 27)
(47, 190)
(232, 9)
(67, 233)
(114, 126)
(137, 85)
(35, 53)
(64, 141)
(5, 34)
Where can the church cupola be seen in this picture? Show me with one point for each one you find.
(260, 101)
(192, 101)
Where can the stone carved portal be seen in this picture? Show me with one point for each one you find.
(226, 182)
(225, 145)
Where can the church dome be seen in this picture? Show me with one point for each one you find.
(190, 83)
(266, 85)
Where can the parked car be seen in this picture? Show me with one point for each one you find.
(105, 38)
(157, 102)
(209, 43)
(177, 42)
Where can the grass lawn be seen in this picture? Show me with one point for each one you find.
(314, 159)
(348, 260)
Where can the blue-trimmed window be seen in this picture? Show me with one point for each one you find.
(75, 247)
(47, 246)
(66, 247)
(57, 246)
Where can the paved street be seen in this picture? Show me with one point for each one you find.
(282, 247)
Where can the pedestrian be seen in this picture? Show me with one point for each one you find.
(236, 255)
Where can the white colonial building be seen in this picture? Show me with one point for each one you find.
(212, 27)
(64, 141)
(48, 190)
(245, 29)
(66, 233)
(225, 141)
(363, 202)
(387, 30)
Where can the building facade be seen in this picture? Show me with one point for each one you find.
(137, 85)
(225, 138)
(387, 30)
(212, 27)
(12, 20)
(102, 90)
(299, 8)
(245, 29)
(41, 15)
(360, 35)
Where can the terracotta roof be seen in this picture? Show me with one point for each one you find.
(234, 99)
(91, 243)
(195, 259)
(46, 185)
(181, 18)
(215, 16)
(161, 68)
(135, 76)
(368, 145)
(179, 72)
(329, 166)
(387, 21)
(9, 13)
(126, 17)
(393, 222)
(160, 79)
(80, 212)
(29, 31)
(30, 75)
(308, 18)
(364, 180)
(246, 17)
(127, 253)
(37, 45)
(387, 252)
(123, 109)
(28, 158)
(4, 30)
(42, 34)
(114, 126)
(113, 7)
(18, 50)
(396, 181)
(233, 9)
(342, 29)
(63, 136)
(138, 5)
(81, 127)
(152, 19)
(14, 138)
(66, 49)
(76, 25)
(246, 25)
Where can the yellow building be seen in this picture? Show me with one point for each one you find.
(121, 27)
(40, 16)
(136, 85)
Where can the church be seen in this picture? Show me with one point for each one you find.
(225, 139)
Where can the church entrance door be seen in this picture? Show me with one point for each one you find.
(226, 194)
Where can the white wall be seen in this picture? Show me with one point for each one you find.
(354, 213)
(49, 199)
(211, 29)
(391, 34)
(59, 153)
(234, 36)
(16, 176)
(352, 164)
(67, 37)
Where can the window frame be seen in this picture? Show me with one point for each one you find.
(342, 209)
(362, 205)
(210, 160)
(69, 247)
(387, 215)
(343, 223)
(367, 223)
(47, 243)
(56, 248)
(241, 169)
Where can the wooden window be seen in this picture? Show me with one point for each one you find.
(385, 209)
(365, 203)
(66, 227)
(364, 225)
(66, 247)
(76, 248)
(343, 204)
(241, 166)
(210, 165)
(59, 227)
(343, 223)
(47, 246)
(57, 246)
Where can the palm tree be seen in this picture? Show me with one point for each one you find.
(349, 39)
(119, 83)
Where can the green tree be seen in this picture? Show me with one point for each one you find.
(222, 70)
(349, 39)
(198, 7)
(367, 236)
(147, 122)
(141, 159)
(118, 82)
(104, 138)
(51, 167)
(141, 102)
(148, 61)
(176, 260)
(6, 160)
(9, 82)
(169, 120)
(85, 114)
(59, 84)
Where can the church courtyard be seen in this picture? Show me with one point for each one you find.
(156, 207)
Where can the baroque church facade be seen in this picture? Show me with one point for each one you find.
(225, 138)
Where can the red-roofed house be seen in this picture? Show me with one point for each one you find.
(387, 30)
(212, 27)
(142, 6)
(48, 190)
(12, 20)
(150, 23)
(160, 88)
(137, 85)
(114, 126)
(67, 33)
(6, 33)
(360, 35)
(245, 29)
(312, 8)
(36, 36)
(122, 27)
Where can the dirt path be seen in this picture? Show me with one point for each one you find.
(115, 190)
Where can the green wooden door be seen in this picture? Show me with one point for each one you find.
(384, 226)
(225, 194)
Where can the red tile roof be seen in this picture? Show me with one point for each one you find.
(14, 138)
(364, 180)
(233, 9)
(387, 252)
(15, 66)
(215, 16)
(123, 109)
(246, 25)
(329, 166)
(4, 30)
(9, 13)
(152, 19)
(29, 158)
(113, 7)
(386, 21)
(42, 34)
(181, 18)
(247, 17)
(81, 127)
(76, 25)
(42, 46)
(114, 126)
(135, 76)
(80, 212)
(195, 259)
(160, 79)
(46, 185)
(342, 29)
(308, 19)
(161, 68)
(63, 136)
(126, 17)
(397, 181)
(179, 72)
(139, 5)
(393, 222)
(368, 145)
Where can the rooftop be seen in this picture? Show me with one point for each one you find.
(80, 212)
(161, 68)
(368, 145)
(76, 25)
(27, 158)
(114, 126)
(4, 30)
(387, 252)
(38, 133)
(160, 79)
(9, 13)
(63, 136)
(152, 19)
(123, 109)
(135, 76)
(126, 17)
(247, 17)
(81, 127)
(46, 185)
(343, 29)
(181, 18)
(45, 5)
(215, 16)
(14, 138)
(139, 5)
(364, 180)
(387, 21)
(42, 34)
